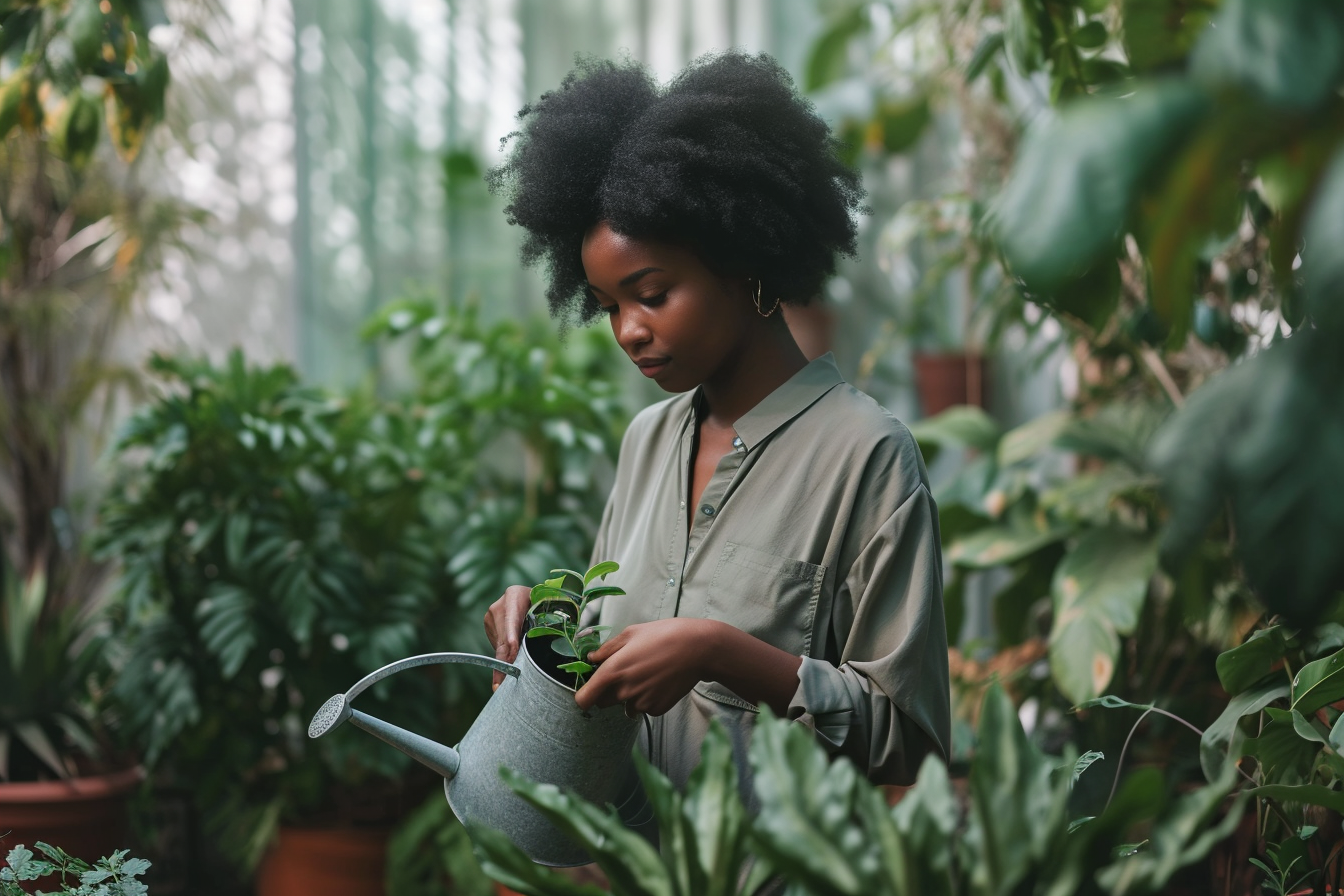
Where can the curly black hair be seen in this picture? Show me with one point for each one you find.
(727, 159)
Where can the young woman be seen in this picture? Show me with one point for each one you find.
(777, 540)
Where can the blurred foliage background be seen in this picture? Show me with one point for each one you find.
(1100, 281)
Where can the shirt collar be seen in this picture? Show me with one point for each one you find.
(788, 401)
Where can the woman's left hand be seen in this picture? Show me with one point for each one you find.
(650, 666)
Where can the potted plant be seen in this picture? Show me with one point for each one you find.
(277, 542)
(82, 88)
(556, 621)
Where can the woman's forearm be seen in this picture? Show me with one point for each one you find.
(757, 672)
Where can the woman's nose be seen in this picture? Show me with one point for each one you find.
(631, 328)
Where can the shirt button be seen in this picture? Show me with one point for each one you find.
(737, 443)
(671, 581)
(707, 510)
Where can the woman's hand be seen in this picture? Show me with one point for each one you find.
(504, 625)
(650, 666)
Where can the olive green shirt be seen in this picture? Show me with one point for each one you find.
(816, 534)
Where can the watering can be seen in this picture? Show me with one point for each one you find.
(530, 725)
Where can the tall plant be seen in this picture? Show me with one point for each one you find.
(81, 86)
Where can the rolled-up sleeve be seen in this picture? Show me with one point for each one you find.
(880, 696)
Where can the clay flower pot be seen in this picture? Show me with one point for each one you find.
(84, 816)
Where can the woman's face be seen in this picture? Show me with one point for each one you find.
(681, 323)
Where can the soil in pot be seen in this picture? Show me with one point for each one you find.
(545, 658)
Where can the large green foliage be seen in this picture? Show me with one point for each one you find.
(277, 543)
(827, 831)
(1259, 97)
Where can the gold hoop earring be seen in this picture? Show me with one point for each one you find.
(773, 309)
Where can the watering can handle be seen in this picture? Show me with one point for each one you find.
(426, 659)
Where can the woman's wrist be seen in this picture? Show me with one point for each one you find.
(753, 669)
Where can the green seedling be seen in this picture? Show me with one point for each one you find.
(564, 613)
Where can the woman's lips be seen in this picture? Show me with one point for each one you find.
(652, 366)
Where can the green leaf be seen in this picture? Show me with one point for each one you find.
(1284, 756)
(1077, 178)
(1247, 663)
(1325, 269)
(807, 832)
(1336, 738)
(630, 863)
(998, 545)
(1318, 683)
(1023, 35)
(563, 647)
(1030, 440)
(551, 592)
(1304, 794)
(602, 569)
(902, 122)
(1160, 32)
(987, 49)
(960, 425)
(544, 630)
(1289, 52)
(578, 667)
(1306, 730)
(1084, 762)
(829, 57)
(602, 591)
(1215, 743)
(1090, 36)
(507, 864)
(1098, 590)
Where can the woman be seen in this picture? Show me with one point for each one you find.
(777, 540)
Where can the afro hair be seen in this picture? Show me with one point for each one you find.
(727, 159)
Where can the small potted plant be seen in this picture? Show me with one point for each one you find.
(556, 621)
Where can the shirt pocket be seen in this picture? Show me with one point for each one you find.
(769, 597)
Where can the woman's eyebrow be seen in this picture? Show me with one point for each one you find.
(631, 278)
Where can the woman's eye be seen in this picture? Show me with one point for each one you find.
(653, 300)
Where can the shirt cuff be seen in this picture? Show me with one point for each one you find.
(825, 702)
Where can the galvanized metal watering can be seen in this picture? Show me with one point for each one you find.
(531, 725)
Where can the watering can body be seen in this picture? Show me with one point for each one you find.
(530, 725)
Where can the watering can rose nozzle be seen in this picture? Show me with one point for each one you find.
(331, 715)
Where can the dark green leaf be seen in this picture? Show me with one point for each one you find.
(1248, 663)
(829, 58)
(964, 425)
(1215, 743)
(1090, 36)
(1318, 683)
(1077, 178)
(1290, 52)
(986, 50)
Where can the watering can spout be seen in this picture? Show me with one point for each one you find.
(432, 754)
(442, 759)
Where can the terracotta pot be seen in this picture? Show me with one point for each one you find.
(947, 379)
(325, 862)
(86, 816)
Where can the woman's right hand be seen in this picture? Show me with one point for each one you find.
(504, 625)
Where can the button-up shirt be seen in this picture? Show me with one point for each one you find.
(816, 534)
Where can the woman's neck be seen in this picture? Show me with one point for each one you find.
(767, 361)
